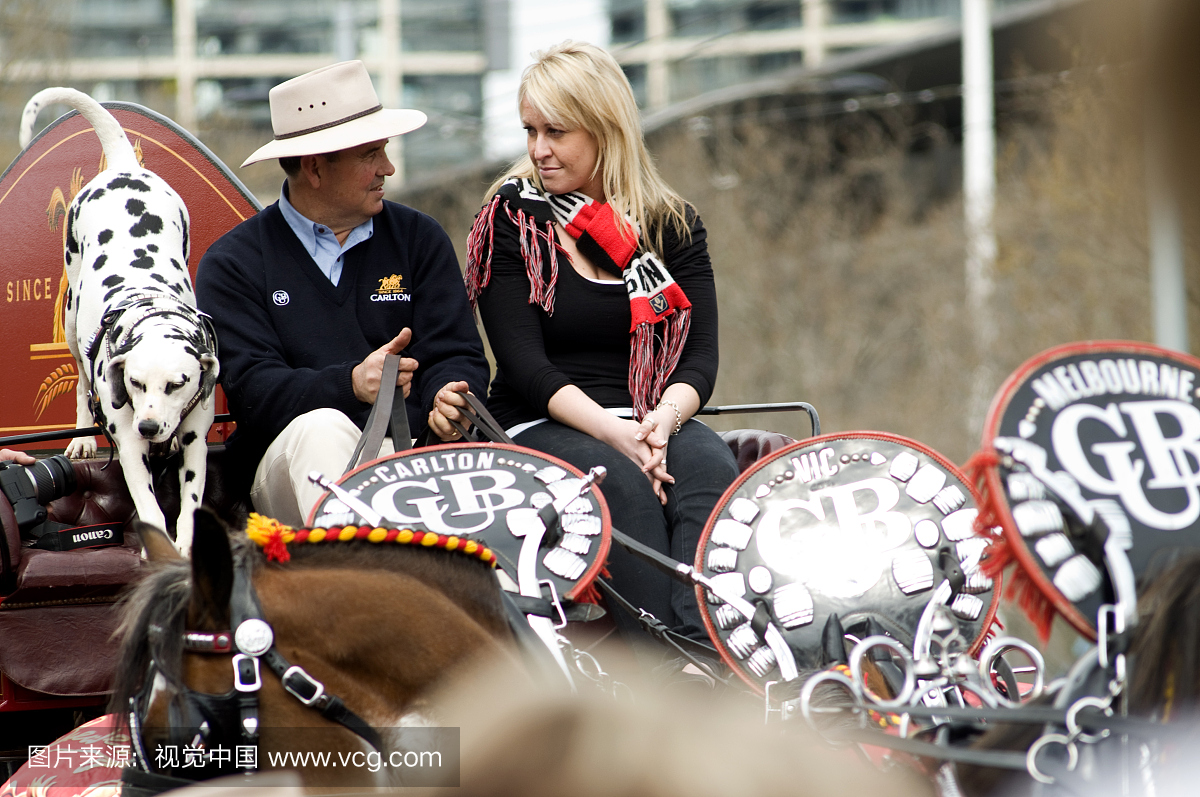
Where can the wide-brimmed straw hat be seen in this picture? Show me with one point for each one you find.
(330, 109)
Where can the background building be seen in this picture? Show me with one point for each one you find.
(676, 49)
(209, 64)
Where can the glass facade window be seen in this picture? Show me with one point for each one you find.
(851, 11)
(244, 100)
(441, 25)
(454, 133)
(628, 19)
(773, 15)
(120, 28)
(863, 10)
(718, 17)
(773, 62)
(228, 27)
(704, 17)
(697, 75)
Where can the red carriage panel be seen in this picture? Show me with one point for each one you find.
(37, 393)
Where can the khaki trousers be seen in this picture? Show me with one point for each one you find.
(322, 441)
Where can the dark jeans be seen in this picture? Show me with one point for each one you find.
(703, 467)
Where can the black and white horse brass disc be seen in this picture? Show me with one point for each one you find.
(489, 493)
(854, 524)
(1122, 420)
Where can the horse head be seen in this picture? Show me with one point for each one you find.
(328, 654)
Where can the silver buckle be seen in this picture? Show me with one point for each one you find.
(238, 683)
(295, 670)
(561, 622)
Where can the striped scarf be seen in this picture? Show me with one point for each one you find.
(660, 312)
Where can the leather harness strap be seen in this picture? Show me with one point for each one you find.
(486, 426)
(697, 653)
(385, 412)
(104, 335)
(252, 642)
(244, 606)
(1090, 718)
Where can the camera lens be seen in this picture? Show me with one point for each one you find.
(54, 477)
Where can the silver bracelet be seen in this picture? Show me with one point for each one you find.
(678, 414)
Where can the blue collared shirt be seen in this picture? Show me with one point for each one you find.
(319, 241)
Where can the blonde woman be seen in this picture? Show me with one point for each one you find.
(594, 284)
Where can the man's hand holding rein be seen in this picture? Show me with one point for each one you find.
(366, 374)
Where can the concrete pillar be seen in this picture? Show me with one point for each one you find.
(391, 80)
(816, 17)
(185, 63)
(1167, 279)
(658, 28)
(979, 197)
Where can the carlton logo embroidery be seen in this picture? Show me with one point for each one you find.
(281, 298)
(391, 289)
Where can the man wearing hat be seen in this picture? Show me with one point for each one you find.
(312, 293)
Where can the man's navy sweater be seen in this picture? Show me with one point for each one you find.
(289, 338)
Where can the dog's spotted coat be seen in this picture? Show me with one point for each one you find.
(132, 325)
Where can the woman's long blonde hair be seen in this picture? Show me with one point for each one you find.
(577, 85)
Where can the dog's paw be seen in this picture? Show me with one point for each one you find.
(82, 448)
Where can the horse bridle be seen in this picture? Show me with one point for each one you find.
(201, 720)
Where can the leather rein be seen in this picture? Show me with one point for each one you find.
(203, 721)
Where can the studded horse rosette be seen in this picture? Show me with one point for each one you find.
(1113, 428)
(864, 525)
(451, 496)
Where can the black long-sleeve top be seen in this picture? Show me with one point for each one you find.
(586, 341)
(289, 338)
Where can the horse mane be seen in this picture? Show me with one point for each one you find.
(468, 582)
(1163, 683)
(1166, 643)
(152, 623)
(975, 780)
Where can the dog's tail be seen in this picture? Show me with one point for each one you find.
(117, 149)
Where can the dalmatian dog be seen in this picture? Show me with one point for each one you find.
(146, 357)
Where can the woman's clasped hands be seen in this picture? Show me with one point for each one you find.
(650, 442)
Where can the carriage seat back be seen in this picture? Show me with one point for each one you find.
(39, 575)
(750, 445)
(57, 618)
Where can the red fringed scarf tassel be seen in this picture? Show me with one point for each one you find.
(660, 311)
(481, 245)
(650, 365)
(479, 251)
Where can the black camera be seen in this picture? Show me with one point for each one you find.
(29, 488)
